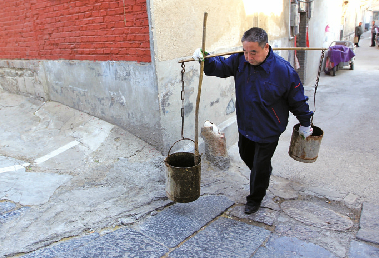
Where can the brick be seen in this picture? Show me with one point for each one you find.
(128, 8)
(114, 5)
(73, 29)
(130, 2)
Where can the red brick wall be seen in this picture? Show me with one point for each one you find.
(75, 30)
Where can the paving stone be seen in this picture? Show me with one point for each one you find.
(6, 216)
(328, 193)
(61, 248)
(316, 215)
(120, 243)
(363, 250)
(282, 188)
(336, 242)
(263, 215)
(369, 223)
(174, 224)
(223, 238)
(124, 242)
(269, 201)
(352, 201)
(291, 247)
(6, 206)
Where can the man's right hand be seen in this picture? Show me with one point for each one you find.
(198, 55)
(305, 131)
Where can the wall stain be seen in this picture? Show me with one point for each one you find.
(165, 101)
(188, 108)
(231, 107)
(215, 102)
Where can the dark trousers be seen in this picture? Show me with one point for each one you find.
(359, 38)
(257, 156)
(373, 39)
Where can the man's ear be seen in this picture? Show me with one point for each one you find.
(267, 48)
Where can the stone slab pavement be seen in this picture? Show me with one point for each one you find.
(72, 185)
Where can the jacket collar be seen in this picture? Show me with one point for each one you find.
(267, 62)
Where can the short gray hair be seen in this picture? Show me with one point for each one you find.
(256, 34)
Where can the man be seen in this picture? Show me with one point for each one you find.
(373, 33)
(267, 88)
(358, 32)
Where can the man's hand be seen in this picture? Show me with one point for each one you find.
(198, 55)
(305, 131)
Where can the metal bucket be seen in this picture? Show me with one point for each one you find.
(183, 176)
(305, 150)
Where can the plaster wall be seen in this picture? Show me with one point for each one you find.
(350, 19)
(177, 28)
(323, 28)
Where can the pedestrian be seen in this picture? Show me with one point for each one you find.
(358, 33)
(374, 30)
(266, 88)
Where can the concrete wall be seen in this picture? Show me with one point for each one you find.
(24, 77)
(122, 93)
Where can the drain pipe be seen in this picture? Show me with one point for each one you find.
(289, 19)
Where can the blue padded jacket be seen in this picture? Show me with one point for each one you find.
(264, 94)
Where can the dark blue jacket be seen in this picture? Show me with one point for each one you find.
(264, 94)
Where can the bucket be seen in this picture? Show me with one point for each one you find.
(305, 150)
(183, 176)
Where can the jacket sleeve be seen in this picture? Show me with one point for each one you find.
(220, 66)
(297, 101)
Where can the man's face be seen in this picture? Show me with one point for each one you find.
(254, 54)
(360, 24)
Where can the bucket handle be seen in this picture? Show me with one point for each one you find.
(168, 154)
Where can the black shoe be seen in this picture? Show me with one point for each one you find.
(251, 208)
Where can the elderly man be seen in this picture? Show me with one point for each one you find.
(267, 88)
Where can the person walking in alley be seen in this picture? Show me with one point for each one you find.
(267, 89)
(374, 30)
(358, 33)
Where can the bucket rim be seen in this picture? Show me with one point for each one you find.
(182, 152)
(296, 129)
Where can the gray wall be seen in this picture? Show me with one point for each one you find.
(122, 93)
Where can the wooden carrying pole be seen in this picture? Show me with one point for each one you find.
(241, 51)
(199, 93)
